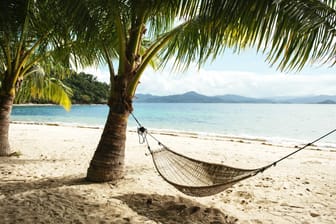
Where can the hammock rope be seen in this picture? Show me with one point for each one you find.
(199, 178)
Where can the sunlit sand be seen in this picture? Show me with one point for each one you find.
(46, 184)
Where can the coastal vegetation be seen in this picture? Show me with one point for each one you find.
(34, 41)
(82, 88)
(86, 89)
(128, 36)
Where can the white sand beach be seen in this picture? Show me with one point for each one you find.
(46, 183)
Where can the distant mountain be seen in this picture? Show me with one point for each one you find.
(310, 99)
(241, 99)
(188, 97)
(194, 97)
(327, 102)
(144, 97)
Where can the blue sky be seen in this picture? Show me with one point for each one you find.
(245, 74)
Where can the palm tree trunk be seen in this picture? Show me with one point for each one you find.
(6, 104)
(107, 163)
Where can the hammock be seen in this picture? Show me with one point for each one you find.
(199, 178)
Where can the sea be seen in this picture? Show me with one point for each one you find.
(272, 122)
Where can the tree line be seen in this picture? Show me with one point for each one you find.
(83, 89)
(86, 89)
(41, 37)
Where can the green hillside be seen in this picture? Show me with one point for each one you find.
(87, 89)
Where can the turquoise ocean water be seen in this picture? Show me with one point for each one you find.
(275, 122)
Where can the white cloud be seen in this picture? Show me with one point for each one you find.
(101, 73)
(216, 80)
(212, 82)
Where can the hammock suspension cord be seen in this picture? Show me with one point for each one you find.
(303, 147)
(198, 178)
(142, 132)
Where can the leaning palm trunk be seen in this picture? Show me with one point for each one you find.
(194, 31)
(6, 104)
(107, 163)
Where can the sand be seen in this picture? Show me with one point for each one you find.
(46, 183)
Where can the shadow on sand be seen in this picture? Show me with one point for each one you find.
(170, 209)
(11, 187)
(71, 199)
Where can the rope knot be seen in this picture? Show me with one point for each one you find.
(142, 130)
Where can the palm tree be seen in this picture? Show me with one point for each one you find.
(130, 34)
(31, 38)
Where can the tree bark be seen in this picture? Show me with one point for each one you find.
(6, 104)
(107, 163)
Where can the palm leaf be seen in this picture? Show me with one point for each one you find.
(38, 85)
(291, 33)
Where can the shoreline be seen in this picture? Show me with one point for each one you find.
(45, 184)
(272, 141)
(263, 123)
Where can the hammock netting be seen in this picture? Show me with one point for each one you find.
(194, 177)
(198, 178)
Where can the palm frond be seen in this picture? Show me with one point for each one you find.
(38, 85)
(291, 33)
